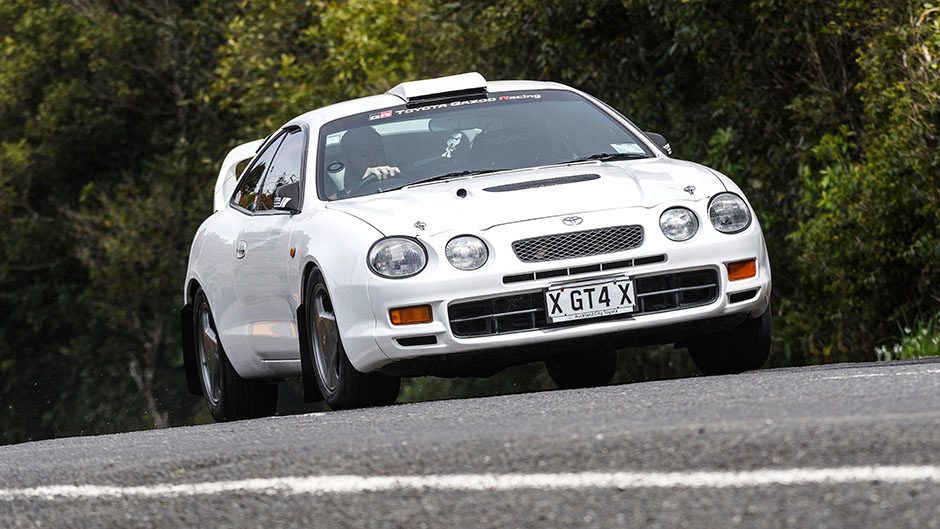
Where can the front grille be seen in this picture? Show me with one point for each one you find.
(578, 244)
(526, 312)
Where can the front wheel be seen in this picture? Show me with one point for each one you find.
(742, 348)
(229, 397)
(340, 384)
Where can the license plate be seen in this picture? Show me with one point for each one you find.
(594, 300)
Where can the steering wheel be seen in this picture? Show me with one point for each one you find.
(370, 180)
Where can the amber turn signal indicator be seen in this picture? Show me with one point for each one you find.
(410, 315)
(742, 269)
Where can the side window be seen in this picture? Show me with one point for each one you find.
(247, 190)
(285, 168)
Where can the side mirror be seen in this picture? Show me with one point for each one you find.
(287, 197)
(660, 142)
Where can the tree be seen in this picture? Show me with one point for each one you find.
(106, 136)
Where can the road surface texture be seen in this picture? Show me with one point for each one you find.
(836, 446)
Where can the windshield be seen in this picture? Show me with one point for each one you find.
(390, 148)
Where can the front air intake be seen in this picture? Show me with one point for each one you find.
(527, 311)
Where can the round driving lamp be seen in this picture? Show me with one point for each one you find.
(678, 224)
(466, 252)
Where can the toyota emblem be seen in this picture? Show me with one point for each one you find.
(572, 221)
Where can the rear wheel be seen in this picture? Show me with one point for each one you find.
(570, 372)
(742, 348)
(340, 384)
(228, 396)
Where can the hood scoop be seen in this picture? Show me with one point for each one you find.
(545, 182)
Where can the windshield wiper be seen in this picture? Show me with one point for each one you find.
(455, 174)
(607, 157)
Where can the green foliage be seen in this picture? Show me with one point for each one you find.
(868, 243)
(303, 55)
(923, 341)
(100, 126)
(114, 116)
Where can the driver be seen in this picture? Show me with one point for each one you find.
(364, 156)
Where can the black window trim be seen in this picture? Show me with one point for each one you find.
(289, 129)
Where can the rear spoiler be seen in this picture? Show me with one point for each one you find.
(225, 183)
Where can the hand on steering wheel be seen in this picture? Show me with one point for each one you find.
(374, 174)
(381, 172)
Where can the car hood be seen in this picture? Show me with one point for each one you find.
(473, 204)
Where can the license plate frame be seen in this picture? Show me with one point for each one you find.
(583, 301)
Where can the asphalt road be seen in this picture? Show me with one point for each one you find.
(836, 446)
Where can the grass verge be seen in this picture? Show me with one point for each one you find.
(920, 341)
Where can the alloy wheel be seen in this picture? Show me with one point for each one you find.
(326, 340)
(210, 355)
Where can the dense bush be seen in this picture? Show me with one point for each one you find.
(113, 118)
(867, 246)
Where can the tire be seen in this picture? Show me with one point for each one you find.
(228, 396)
(341, 386)
(571, 372)
(736, 350)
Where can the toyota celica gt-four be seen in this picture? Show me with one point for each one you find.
(455, 227)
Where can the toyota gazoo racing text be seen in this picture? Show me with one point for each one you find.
(454, 227)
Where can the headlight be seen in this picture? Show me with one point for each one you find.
(397, 257)
(466, 252)
(678, 224)
(729, 213)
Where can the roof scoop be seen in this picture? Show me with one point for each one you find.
(442, 89)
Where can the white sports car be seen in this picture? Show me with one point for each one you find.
(454, 227)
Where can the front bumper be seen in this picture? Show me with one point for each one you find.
(443, 287)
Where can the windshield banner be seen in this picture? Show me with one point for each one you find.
(389, 113)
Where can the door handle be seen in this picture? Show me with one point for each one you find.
(240, 249)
